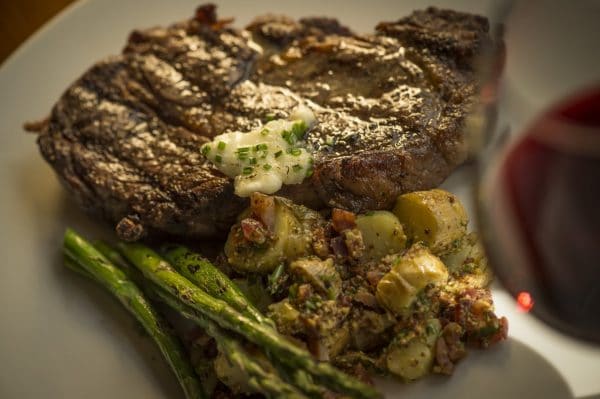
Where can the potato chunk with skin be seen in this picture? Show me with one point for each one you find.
(289, 240)
(413, 271)
(468, 262)
(286, 317)
(414, 358)
(321, 274)
(382, 234)
(435, 217)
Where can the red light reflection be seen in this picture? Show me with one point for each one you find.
(525, 301)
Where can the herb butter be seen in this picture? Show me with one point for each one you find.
(264, 159)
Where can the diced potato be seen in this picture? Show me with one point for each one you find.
(321, 274)
(327, 346)
(290, 240)
(469, 262)
(368, 329)
(382, 234)
(413, 271)
(435, 217)
(455, 258)
(414, 359)
(338, 341)
(285, 316)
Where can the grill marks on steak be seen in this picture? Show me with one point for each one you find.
(124, 138)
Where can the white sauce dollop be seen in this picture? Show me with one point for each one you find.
(266, 158)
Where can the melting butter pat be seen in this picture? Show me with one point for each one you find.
(264, 159)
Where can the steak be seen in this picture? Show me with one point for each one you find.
(391, 109)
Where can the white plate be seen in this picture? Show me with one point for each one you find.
(62, 337)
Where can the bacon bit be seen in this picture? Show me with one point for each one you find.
(361, 373)
(366, 298)
(345, 300)
(338, 246)
(449, 349)
(452, 334)
(263, 208)
(442, 359)
(373, 277)
(253, 231)
(304, 292)
(342, 220)
(502, 332)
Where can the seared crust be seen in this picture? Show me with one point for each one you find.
(124, 138)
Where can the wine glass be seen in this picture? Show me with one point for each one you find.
(539, 167)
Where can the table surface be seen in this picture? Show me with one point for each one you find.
(19, 19)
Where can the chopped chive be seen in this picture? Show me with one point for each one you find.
(221, 146)
(242, 153)
(298, 129)
(264, 132)
(295, 151)
(261, 147)
(252, 161)
(310, 305)
(205, 149)
(218, 158)
(267, 166)
(297, 168)
(269, 117)
(247, 170)
(278, 154)
(289, 137)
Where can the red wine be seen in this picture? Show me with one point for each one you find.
(545, 193)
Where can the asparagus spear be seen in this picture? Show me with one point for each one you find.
(205, 275)
(264, 382)
(214, 282)
(116, 258)
(163, 274)
(268, 383)
(81, 254)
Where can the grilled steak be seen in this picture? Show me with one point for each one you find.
(391, 108)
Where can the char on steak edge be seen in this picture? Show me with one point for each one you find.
(391, 107)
